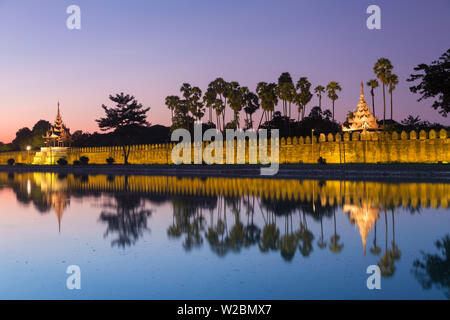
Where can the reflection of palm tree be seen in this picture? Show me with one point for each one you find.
(306, 238)
(335, 246)
(375, 250)
(288, 243)
(269, 237)
(434, 269)
(396, 253)
(321, 243)
(386, 262)
(252, 231)
(237, 232)
(217, 234)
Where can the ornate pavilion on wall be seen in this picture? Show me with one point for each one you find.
(363, 118)
(57, 141)
(58, 135)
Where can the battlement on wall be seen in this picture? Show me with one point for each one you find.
(368, 136)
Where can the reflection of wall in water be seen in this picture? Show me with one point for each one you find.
(361, 201)
(328, 192)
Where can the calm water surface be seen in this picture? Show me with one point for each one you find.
(147, 237)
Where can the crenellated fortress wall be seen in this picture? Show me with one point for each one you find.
(367, 147)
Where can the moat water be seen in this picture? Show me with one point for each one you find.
(155, 237)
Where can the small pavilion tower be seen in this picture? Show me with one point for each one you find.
(58, 135)
(362, 119)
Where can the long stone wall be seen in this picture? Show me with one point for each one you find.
(369, 147)
(18, 156)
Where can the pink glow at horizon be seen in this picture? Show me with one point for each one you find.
(164, 44)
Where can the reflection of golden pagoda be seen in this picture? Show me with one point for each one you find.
(58, 135)
(59, 203)
(364, 216)
(363, 118)
(55, 190)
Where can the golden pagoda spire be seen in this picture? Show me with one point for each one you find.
(362, 119)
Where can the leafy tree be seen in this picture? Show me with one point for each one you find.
(411, 121)
(434, 83)
(126, 217)
(24, 138)
(373, 84)
(332, 89)
(382, 70)
(125, 119)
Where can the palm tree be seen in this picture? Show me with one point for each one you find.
(303, 96)
(236, 101)
(192, 96)
(267, 94)
(372, 84)
(209, 99)
(332, 87)
(251, 102)
(219, 107)
(392, 81)
(382, 69)
(318, 91)
(221, 87)
(285, 91)
(172, 103)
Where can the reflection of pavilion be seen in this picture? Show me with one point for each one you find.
(59, 202)
(55, 191)
(364, 216)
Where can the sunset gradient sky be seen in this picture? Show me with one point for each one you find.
(149, 48)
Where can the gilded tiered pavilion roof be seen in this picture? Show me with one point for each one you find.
(58, 135)
(363, 118)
